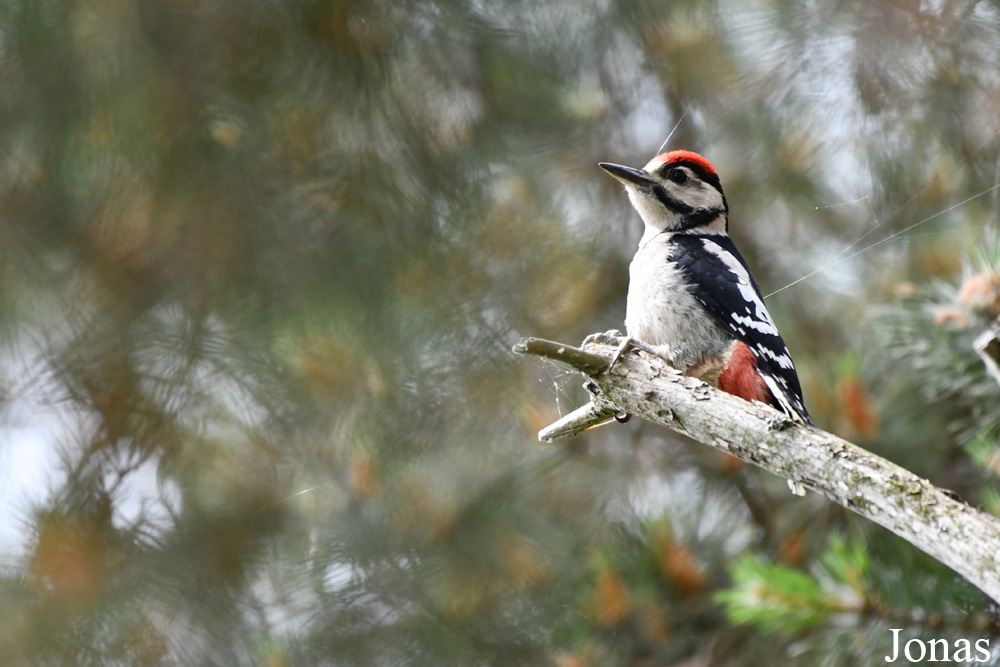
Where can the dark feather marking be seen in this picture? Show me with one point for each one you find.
(716, 287)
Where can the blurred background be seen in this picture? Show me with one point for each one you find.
(263, 263)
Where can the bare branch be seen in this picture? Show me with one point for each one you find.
(961, 537)
(586, 362)
(582, 419)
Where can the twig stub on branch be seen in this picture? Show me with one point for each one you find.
(965, 539)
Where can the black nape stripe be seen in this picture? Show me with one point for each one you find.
(691, 217)
(697, 170)
(699, 217)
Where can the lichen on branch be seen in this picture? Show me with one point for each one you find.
(952, 532)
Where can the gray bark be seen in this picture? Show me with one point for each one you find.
(963, 538)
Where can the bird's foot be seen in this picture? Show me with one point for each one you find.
(609, 337)
(624, 344)
(629, 344)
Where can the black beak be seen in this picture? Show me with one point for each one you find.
(627, 175)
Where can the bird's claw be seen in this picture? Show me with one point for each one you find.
(609, 337)
(629, 344)
(595, 391)
(623, 346)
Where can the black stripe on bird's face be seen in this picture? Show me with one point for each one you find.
(696, 169)
(698, 173)
(700, 217)
(691, 217)
(670, 202)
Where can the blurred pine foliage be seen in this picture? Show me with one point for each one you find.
(263, 261)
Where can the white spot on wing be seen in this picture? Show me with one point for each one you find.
(757, 317)
(783, 359)
(789, 404)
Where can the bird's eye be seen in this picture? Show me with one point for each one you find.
(678, 176)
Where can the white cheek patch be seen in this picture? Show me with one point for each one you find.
(695, 193)
(701, 196)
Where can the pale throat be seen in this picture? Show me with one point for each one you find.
(654, 215)
(657, 218)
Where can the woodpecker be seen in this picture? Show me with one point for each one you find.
(691, 297)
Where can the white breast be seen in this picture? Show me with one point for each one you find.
(663, 312)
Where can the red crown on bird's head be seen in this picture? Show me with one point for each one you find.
(680, 156)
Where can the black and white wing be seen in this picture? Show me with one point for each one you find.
(723, 284)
